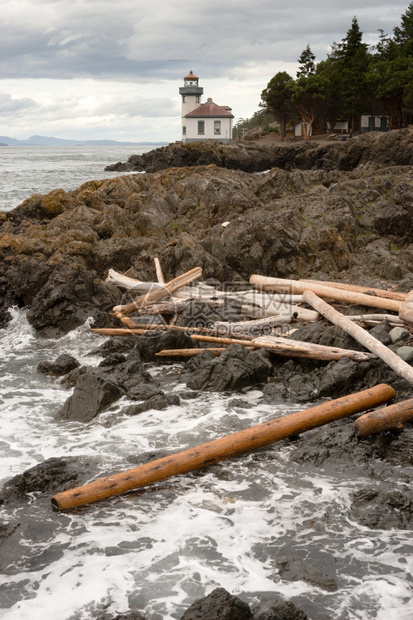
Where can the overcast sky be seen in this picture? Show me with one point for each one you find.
(94, 69)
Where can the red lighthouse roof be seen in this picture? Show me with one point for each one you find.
(191, 76)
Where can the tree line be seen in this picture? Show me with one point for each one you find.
(355, 79)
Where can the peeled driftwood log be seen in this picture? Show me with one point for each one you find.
(224, 448)
(396, 295)
(376, 318)
(190, 352)
(135, 329)
(257, 325)
(384, 419)
(290, 348)
(326, 292)
(161, 291)
(406, 309)
(361, 335)
(131, 284)
(314, 351)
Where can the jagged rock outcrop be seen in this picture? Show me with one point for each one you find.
(56, 249)
(392, 148)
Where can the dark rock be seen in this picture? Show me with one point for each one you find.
(51, 476)
(234, 369)
(278, 609)
(91, 396)
(338, 446)
(159, 402)
(61, 366)
(254, 156)
(383, 508)
(127, 615)
(295, 568)
(327, 335)
(382, 332)
(28, 539)
(113, 359)
(154, 341)
(218, 605)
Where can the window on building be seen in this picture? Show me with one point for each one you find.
(197, 99)
(201, 128)
(217, 128)
(184, 130)
(183, 99)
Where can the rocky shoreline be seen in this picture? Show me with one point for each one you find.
(340, 212)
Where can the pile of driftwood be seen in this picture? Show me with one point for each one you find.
(277, 303)
(270, 305)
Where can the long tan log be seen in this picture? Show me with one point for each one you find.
(251, 327)
(189, 352)
(290, 348)
(396, 295)
(299, 347)
(316, 351)
(224, 448)
(326, 292)
(173, 306)
(378, 318)
(160, 293)
(135, 329)
(388, 418)
(406, 309)
(361, 335)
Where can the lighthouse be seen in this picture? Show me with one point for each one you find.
(191, 93)
(203, 121)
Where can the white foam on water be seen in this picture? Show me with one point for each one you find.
(158, 549)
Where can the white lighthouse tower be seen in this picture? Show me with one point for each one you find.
(191, 94)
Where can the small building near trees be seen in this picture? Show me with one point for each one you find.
(374, 123)
(203, 121)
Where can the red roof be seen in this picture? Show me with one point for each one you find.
(210, 109)
(191, 76)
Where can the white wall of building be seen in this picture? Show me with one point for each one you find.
(210, 129)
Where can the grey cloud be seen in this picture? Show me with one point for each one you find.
(137, 40)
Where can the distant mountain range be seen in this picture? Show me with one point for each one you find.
(51, 141)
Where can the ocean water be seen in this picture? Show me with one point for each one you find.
(159, 549)
(39, 169)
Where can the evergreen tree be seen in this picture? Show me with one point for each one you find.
(277, 100)
(306, 63)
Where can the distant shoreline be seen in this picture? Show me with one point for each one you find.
(52, 141)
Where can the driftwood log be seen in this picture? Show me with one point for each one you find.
(326, 292)
(191, 352)
(388, 418)
(159, 272)
(160, 292)
(224, 448)
(361, 335)
(396, 295)
(406, 309)
(290, 348)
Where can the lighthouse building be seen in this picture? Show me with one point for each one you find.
(203, 121)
